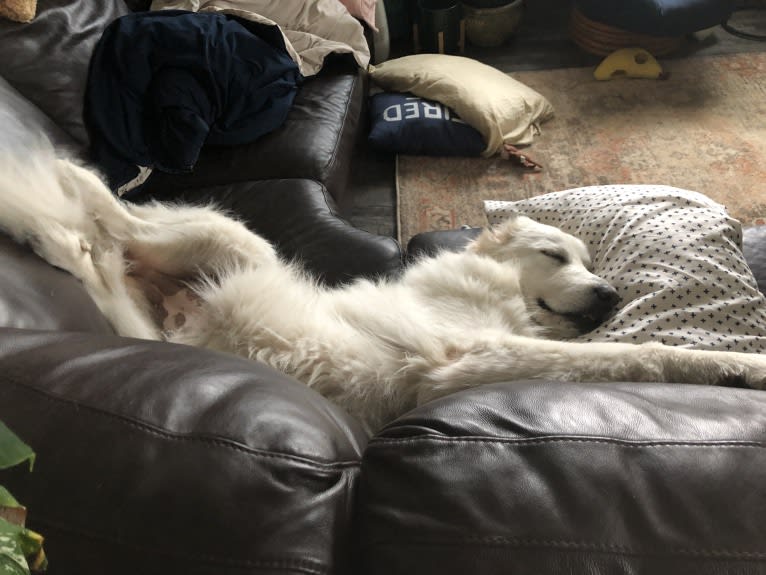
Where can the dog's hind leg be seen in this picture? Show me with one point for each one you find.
(127, 312)
(71, 219)
(173, 239)
(517, 358)
(179, 245)
(101, 269)
(187, 240)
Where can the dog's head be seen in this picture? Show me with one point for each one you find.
(561, 292)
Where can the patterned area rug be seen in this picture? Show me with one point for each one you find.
(702, 129)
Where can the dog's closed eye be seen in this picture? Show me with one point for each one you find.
(560, 257)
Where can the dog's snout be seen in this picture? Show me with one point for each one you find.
(606, 295)
(601, 303)
(604, 298)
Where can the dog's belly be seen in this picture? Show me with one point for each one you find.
(171, 302)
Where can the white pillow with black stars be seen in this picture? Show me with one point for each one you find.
(673, 255)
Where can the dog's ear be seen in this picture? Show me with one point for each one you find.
(491, 239)
(510, 214)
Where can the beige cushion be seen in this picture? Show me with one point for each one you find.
(502, 109)
(18, 10)
(312, 29)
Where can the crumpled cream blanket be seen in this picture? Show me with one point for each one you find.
(312, 28)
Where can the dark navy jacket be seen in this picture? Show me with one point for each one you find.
(162, 84)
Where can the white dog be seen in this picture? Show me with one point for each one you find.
(494, 312)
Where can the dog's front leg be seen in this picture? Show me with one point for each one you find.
(518, 358)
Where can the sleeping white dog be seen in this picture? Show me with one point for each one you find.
(497, 311)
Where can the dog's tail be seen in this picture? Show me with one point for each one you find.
(71, 219)
(31, 197)
(45, 199)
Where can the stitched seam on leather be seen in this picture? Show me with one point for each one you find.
(303, 565)
(334, 155)
(326, 196)
(500, 541)
(13, 379)
(569, 439)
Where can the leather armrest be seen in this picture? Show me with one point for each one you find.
(548, 477)
(172, 459)
(428, 244)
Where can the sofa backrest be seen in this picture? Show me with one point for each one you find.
(46, 60)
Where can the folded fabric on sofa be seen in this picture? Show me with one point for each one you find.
(311, 29)
(163, 84)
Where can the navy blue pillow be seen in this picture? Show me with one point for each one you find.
(406, 124)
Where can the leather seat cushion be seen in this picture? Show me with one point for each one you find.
(547, 477)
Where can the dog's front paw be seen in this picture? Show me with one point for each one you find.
(743, 370)
(738, 380)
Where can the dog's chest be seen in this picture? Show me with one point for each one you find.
(482, 307)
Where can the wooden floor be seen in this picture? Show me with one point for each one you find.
(542, 42)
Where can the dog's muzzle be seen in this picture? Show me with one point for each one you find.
(598, 306)
(601, 305)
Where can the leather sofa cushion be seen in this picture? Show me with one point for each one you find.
(171, 459)
(35, 295)
(316, 142)
(545, 477)
(47, 59)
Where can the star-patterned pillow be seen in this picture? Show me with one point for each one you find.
(673, 255)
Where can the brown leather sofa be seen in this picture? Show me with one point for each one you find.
(159, 458)
(156, 458)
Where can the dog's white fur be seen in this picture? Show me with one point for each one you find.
(457, 320)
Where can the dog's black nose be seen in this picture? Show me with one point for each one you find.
(607, 295)
(601, 302)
